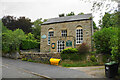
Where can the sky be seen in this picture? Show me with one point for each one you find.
(35, 9)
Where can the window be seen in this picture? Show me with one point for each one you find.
(60, 46)
(64, 33)
(50, 34)
(79, 36)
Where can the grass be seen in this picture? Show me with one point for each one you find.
(69, 63)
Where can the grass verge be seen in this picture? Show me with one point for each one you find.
(79, 63)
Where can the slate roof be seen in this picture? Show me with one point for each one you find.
(68, 18)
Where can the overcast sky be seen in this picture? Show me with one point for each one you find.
(45, 9)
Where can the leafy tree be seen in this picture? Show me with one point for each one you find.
(61, 15)
(102, 40)
(30, 36)
(115, 45)
(81, 13)
(110, 20)
(14, 23)
(36, 29)
(94, 26)
(9, 22)
(70, 14)
(11, 40)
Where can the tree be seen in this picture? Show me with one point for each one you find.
(11, 40)
(115, 45)
(110, 20)
(36, 29)
(70, 14)
(61, 15)
(9, 22)
(81, 13)
(94, 26)
(14, 23)
(24, 24)
(102, 40)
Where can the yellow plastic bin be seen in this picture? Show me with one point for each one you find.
(54, 61)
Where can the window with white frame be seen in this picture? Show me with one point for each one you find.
(50, 34)
(64, 33)
(79, 36)
(60, 45)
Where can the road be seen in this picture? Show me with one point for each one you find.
(22, 69)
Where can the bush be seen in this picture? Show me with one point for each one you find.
(93, 58)
(83, 48)
(70, 53)
(11, 40)
(29, 44)
(24, 59)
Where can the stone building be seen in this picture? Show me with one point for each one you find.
(65, 32)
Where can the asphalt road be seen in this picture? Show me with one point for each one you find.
(22, 69)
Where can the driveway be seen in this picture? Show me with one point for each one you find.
(94, 71)
(49, 71)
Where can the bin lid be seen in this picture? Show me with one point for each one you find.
(110, 63)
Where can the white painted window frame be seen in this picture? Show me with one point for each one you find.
(64, 33)
(79, 36)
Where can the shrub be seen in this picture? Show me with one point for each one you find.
(93, 58)
(11, 40)
(24, 59)
(70, 53)
(83, 48)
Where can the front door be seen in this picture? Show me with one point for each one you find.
(60, 45)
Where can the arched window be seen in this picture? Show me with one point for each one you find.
(79, 35)
(50, 34)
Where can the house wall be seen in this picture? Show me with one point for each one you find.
(71, 31)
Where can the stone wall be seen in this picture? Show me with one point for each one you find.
(40, 57)
(14, 55)
(71, 31)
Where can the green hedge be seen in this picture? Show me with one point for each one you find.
(70, 53)
(29, 44)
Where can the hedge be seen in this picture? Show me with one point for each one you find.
(29, 44)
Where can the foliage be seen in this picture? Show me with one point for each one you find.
(81, 13)
(70, 14)
(115, 45)
(24, 59)
(29, 44)
(69, 53)
(11, 40)
(102, 40)
(36, 29)
(14, 23)
(106, 58)
(30, 36)
(110, 20)
(93, 58)
(61, 15)
(94, 26)
(83, 48)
